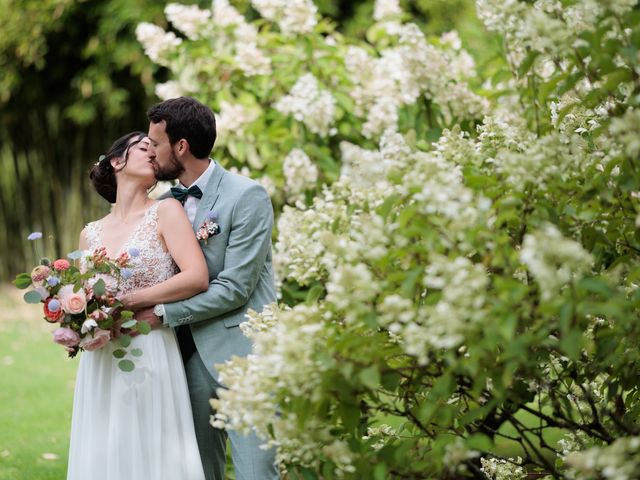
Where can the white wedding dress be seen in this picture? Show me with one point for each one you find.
(135, 425)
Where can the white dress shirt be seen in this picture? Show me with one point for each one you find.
(191, 203)
(190, 206)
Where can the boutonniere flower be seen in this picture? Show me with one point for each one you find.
(209, 227)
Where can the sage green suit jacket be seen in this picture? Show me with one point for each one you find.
(240, 268)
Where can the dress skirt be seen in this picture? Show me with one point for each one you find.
(134, 425)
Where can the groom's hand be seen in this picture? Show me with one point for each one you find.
(147, 315)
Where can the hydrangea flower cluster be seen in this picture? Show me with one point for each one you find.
(158, 44)
(292, 16)
(189, 19)
(309, 104)
(300, 175)
(553, 260)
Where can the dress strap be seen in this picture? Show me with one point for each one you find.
(93, 234)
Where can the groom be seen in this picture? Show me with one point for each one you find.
(182, 132)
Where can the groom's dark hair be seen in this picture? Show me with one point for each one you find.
(187, 118)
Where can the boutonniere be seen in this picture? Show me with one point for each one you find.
(209, 227)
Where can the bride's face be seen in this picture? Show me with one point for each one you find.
(138, 165)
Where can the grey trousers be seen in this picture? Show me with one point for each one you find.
(249, 461)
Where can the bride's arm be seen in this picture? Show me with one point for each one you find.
(177, 233)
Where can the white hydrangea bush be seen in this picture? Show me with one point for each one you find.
(457, 248)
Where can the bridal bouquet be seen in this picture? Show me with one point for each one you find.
(83, 303)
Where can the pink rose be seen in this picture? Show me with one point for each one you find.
(72, 302)
(40, 273)
(66, 337)
(99, 339)
(61, 264)
(98, 315)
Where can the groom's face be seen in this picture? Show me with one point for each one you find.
(162, 154)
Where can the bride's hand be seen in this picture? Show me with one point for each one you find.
(128, 300)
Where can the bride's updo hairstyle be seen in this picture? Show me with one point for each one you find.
(103, 175)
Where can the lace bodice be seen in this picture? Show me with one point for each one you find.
(152, 265)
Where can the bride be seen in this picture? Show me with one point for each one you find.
(138, 425)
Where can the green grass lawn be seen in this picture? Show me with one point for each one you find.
(36, 394)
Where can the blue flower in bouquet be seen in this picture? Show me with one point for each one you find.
(134, 252)
(126, 273)
(53, 281)
(54, 305)
(34, 236)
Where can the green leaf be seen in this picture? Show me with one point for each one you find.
(99, 288)
(350, 415)
(129, 324)
(126, 365)
(119, 353)
(370, 377)
(143, 327)
(124, 340)
(126, 314)
(380, 472)
(22, 281)
(314, 293)
(32, 297)
(596, 285)
(480, 442)
(571, 343)
(409, 283)
(527, 63)
(136, 352)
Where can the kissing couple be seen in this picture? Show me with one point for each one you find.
(203, 258)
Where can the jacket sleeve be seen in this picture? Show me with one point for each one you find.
(245, 256)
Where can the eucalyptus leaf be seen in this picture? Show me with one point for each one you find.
(32, 297)
(126, 365)
(119, 353)
(129, 324)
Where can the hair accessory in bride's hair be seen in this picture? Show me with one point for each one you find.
(100, 158)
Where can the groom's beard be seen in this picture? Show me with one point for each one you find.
(170, 171)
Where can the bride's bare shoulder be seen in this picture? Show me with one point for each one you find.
(170, 207)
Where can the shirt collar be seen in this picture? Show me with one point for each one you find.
(202, 180)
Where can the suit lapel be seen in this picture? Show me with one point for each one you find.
(209, 195)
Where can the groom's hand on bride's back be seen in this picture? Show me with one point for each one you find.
(147, 315)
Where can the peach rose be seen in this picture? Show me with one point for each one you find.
(99, 339)
(72, 302)
(66, 337)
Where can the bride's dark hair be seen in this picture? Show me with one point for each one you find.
(102, 175)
